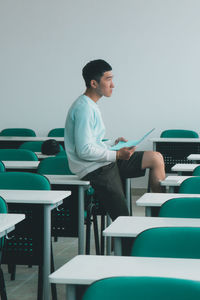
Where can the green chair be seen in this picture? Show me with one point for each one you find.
(190, 186)
(181, 208)
(17, 132)
(26, 246)
(179, 133)
(35, 146)
(61, 153)
(54, 165)
(3, 210)
(56, 132)
(174, 242)
(62, 220)
(143, 288)
(196, 171)
(2, 167)
(17, 154)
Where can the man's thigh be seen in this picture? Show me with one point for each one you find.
(109, 190)
(133, 167)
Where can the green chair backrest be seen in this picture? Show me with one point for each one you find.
(196, 171)
(174, 242)
(23, 181)
(54, 165)
(17, 154)
(33, 146)
(143, 288)
(17, 132)
(181, 208)
(3, 210)
(56, 132)
(179, 133)
(190, 186)
(61, 153)
(2, 167)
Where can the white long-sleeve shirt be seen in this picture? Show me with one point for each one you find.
(84, 132)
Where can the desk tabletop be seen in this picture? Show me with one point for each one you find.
(132, 226)
(66, 179)
(173, 180)
(29, 138)
(7, 221)
(193, 157)
(184, 167)
(34, 196)
(85, 269)
(157, 199)
(21, 164)
(176, 140)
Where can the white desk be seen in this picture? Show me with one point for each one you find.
(132, 226)
(86, 269)
(184, 168)
(194, 157)
(149, 200)
(8, 222)
(62, 181)
(21, 165)
(40, 155)
(173, 181)
(49, 200)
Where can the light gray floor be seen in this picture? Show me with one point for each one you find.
(24, 287)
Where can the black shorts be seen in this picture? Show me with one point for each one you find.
(133, 167)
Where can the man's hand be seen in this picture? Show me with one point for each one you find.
(125, 153)
(120, 139)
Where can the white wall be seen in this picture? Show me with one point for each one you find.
(153, 46)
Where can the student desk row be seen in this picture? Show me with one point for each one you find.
(86, 269)
(175, 150)
(170, 182)
(39, 200)
(149, 200)
(132, 226)
(8, 142)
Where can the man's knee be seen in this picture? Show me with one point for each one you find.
(152, 159)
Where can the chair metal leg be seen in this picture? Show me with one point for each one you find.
(12, 272)
(88, 230)
(40, 283)
(96, 232)
(102, 237)
(2, 286)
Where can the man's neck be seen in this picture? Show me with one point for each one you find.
(92, 95)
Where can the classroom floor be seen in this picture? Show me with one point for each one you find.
(24, 287)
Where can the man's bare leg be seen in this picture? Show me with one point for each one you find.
(154, 161)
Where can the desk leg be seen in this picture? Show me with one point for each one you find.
(171, 189)
(80, 220)
(118, 246)
(128, 192)
(70, 292)
(47, 251)
(148, 211)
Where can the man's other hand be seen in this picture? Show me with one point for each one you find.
(122, 139)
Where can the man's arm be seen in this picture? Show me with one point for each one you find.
(86, 146)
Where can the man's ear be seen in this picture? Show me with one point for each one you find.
(93, 84)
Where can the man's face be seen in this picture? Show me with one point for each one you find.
(104, 88)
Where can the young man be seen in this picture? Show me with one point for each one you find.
(90, 158)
